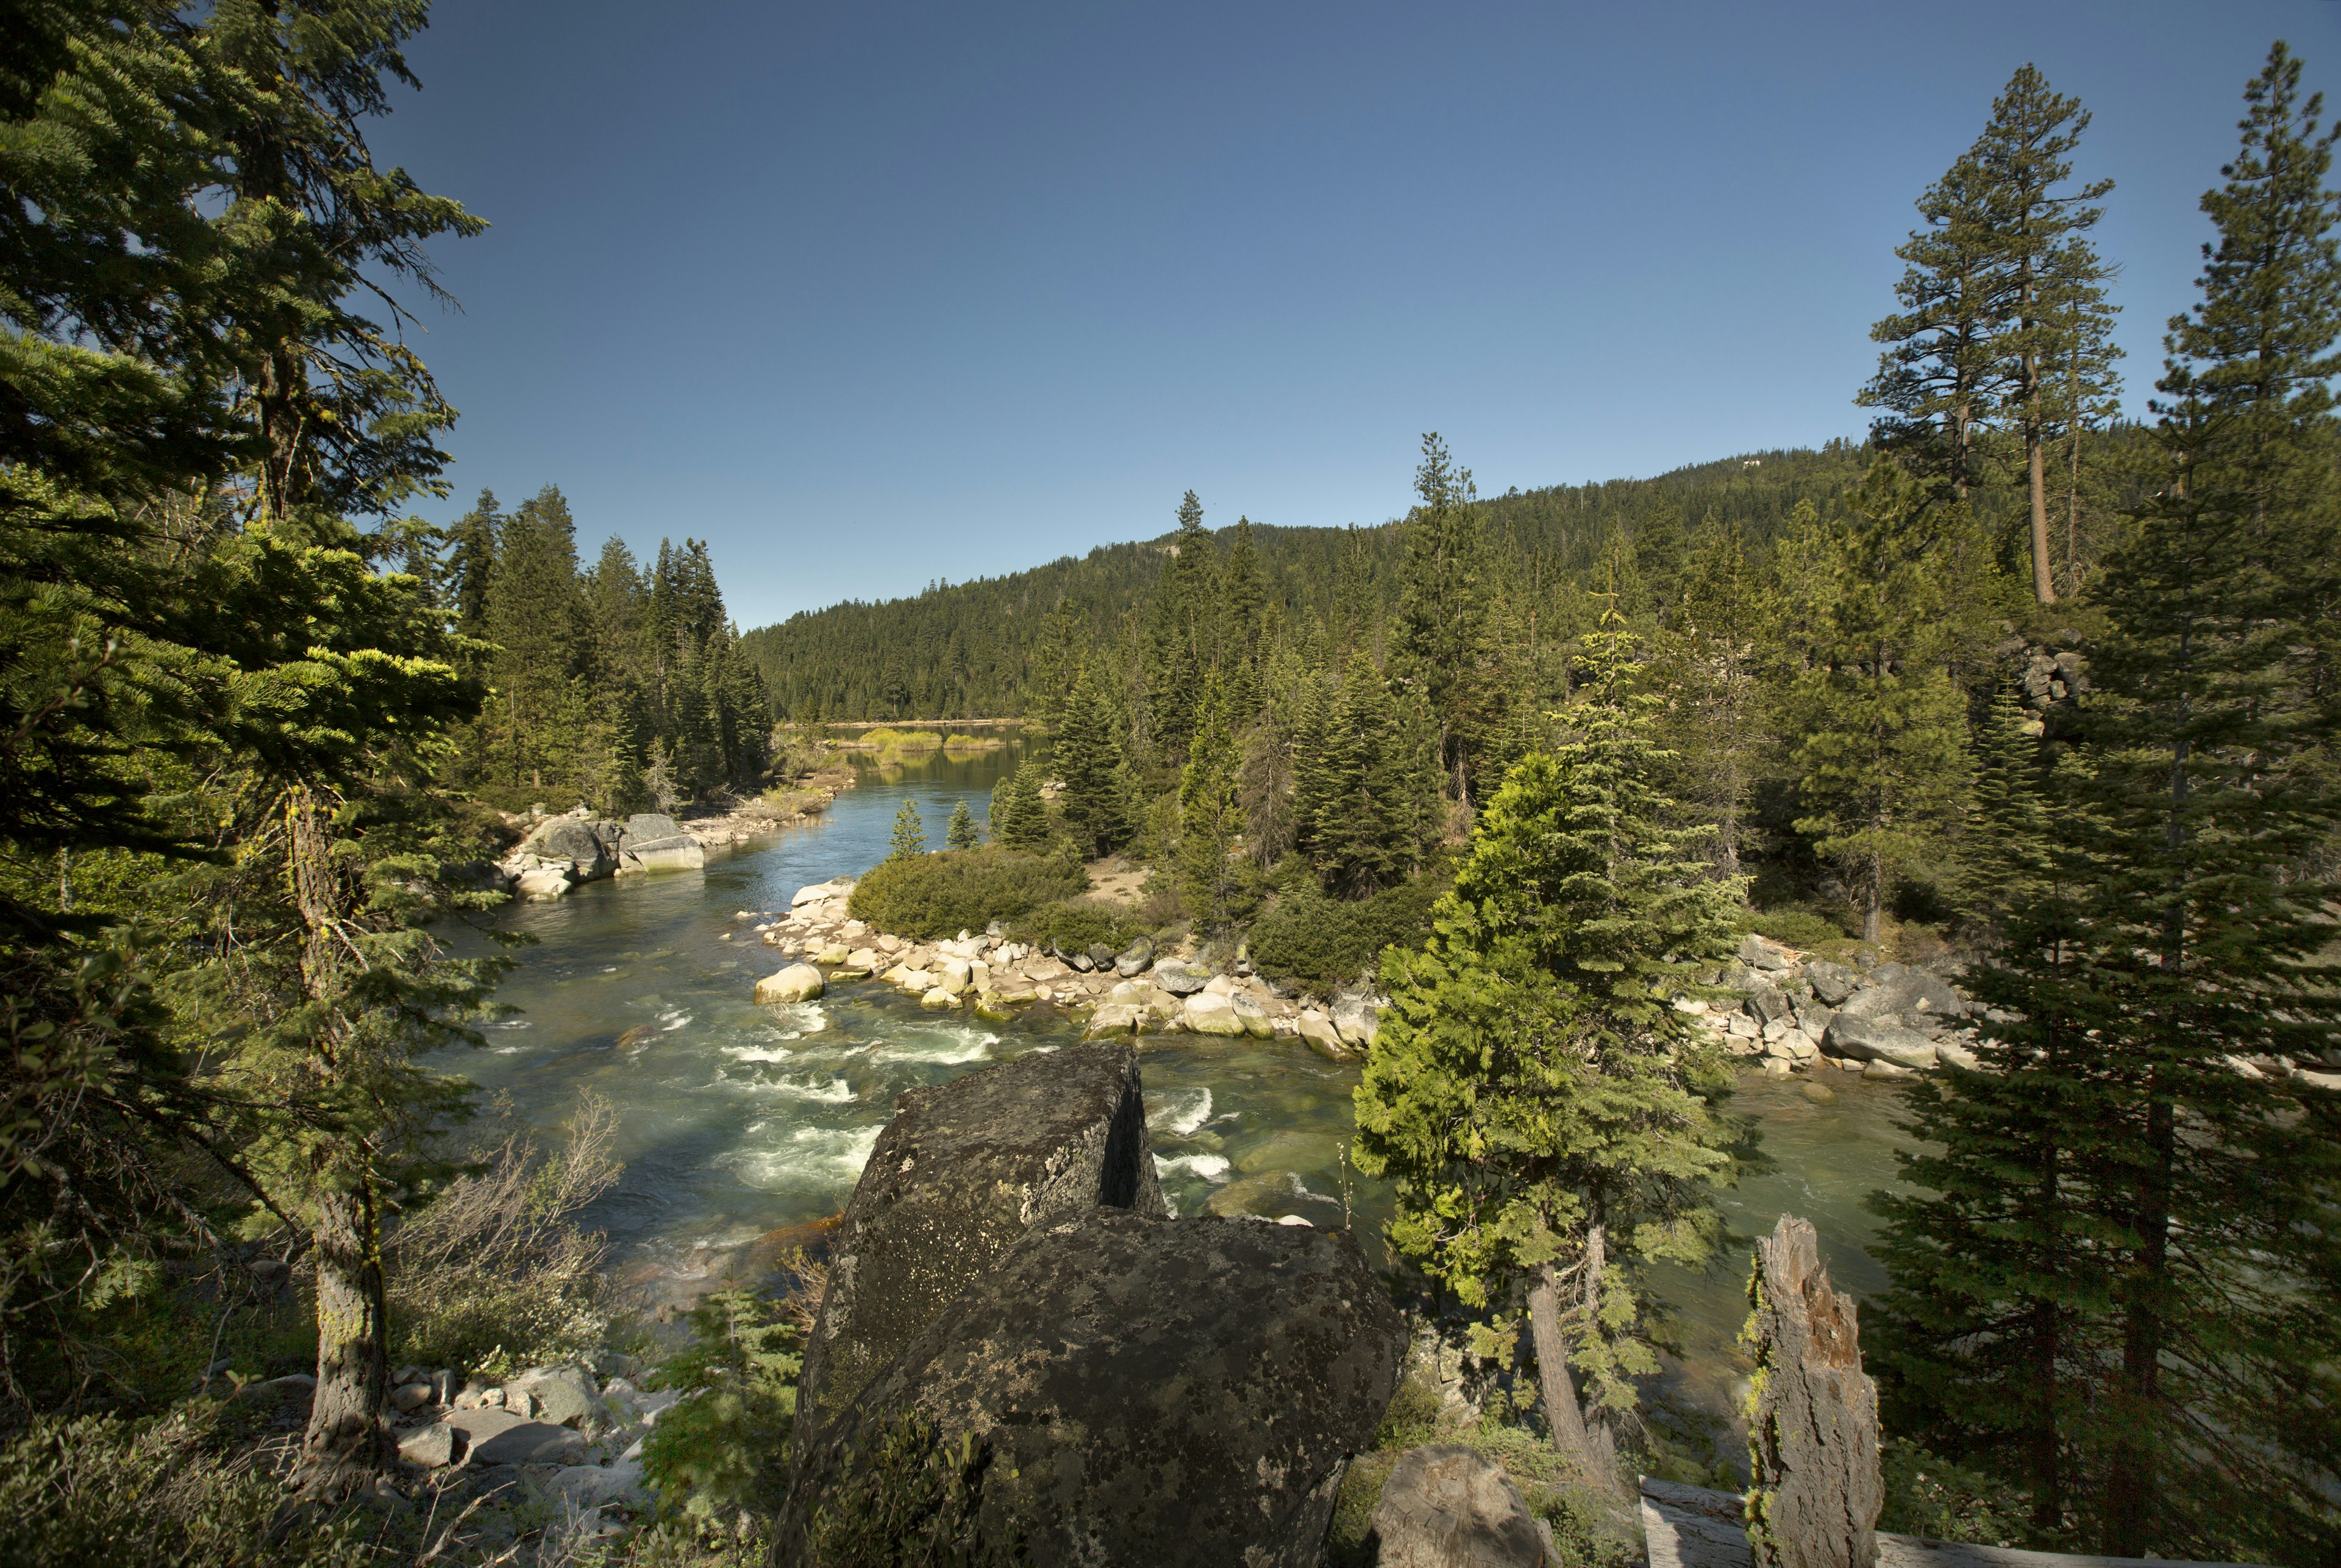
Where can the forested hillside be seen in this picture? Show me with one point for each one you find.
(970, 649)
(974, 650)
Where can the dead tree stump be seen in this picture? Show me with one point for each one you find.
(1812, 1427)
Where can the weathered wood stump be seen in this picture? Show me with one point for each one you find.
(1812, 1429)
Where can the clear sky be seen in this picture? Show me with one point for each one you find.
(871, 294)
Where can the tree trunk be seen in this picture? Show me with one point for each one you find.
(2130, 1478)
(1559, 1389)
(1815, 1485)
(347, 1443)
(1601, 1439)
(2044, 585)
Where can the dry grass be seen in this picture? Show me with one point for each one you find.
(495, 1274)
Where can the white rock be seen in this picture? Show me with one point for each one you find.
(1210, 1012)
(797, 982)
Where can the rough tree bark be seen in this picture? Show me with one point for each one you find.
(1553, 1379)
(1812, 1433)
(347, 1443)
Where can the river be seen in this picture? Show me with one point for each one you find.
(738, 1123)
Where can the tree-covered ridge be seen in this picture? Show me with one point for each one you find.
(977, 649)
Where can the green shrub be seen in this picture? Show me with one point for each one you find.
(1412, 1418)
(925, 897)
(1074, 923)
(719, 1454)
(1930, 1496)
(159, 1492)
(1800, 928)
(1353, 1511)
(1325, 944)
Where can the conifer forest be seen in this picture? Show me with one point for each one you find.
(2033, 680)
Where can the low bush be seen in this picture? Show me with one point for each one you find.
(1931, 1496)
(1801, 928)
(167, 1493)
(1325, 944)
(717, 1457)
(1074, 923)
(895, 740)
(923, 896)
(494, 1274)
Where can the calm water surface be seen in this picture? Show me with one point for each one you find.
(738, 1122)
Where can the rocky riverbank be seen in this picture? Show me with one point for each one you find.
(569, 1437)
(1187, 989)
(559, 853)
(1800, 1012)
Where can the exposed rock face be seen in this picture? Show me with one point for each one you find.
(1447, 1506)
(1879, 1040)
(1357, 1020)
(1181, 979)
(563, 1396)
(1209, 1012)
(797, 982)
(963, 1171)
(1832, 983)
(1163, 1391)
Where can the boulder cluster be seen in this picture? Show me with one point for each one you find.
(1889, 1021)
(558, 852)
(574, 1432)
(1802, 1012)
(1124, 1386)
(1200, 991)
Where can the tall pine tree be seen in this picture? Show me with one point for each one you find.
(1549, 1119)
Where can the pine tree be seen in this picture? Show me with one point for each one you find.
(2206, 728)
(910, 834)
(961, 834)
(1184, 632)
(1057, 663)
(1019, 817)
(472, 564)
(533, 612)
(1881, 759)
(1243, 605)
(1362, 839)
(2120, 1292)
(2055, 285)
(1713, 655)
(1945, 375)
(1210, 816)
(1547, 1116)
(1437, 644)
(1088, 762)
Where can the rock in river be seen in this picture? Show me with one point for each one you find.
(797, 982)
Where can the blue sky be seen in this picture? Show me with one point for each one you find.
(869, 294)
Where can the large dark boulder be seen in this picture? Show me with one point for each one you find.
(963, 1170)
(568, 838)
(1147, 1390)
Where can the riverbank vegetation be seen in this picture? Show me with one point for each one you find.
(2012, 676)
(2070, 723)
